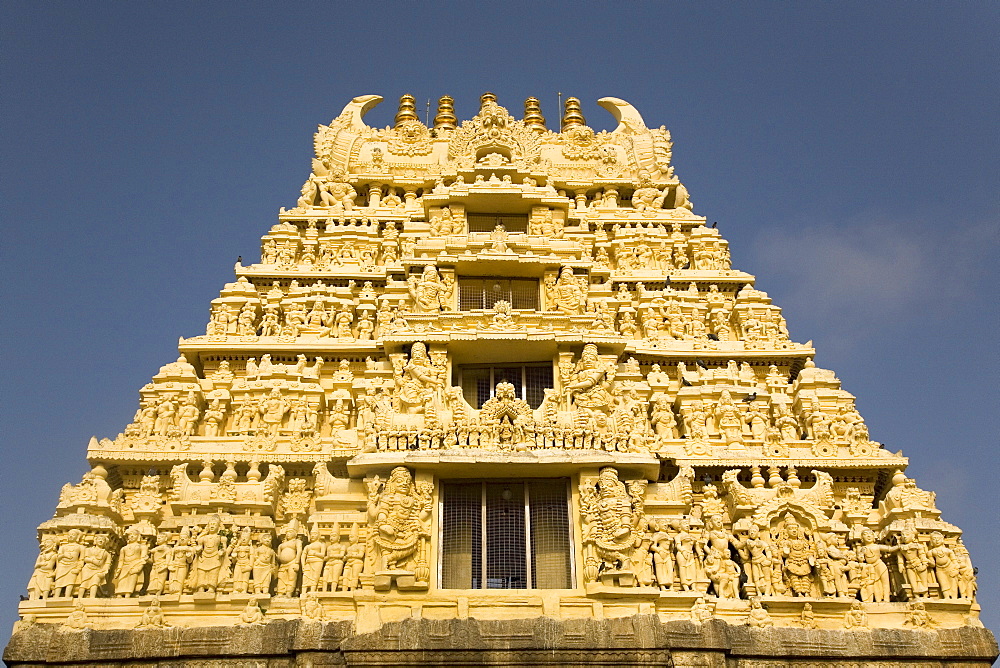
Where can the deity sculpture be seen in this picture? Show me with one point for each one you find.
(417, 382)
(40, 584)
(289, 558)
(210, 549)
(758, 617)
(69, 563)
(874, 575)
(612, 520)
(181, 558)
(399, 520)
(646, 195)
(799, 558)
(856, 617)
(429, 292)
(566, 294)
(264, 565)
(96, 564)
(588, 385)
(241, 560)
(946, 565)
(132, 559)
(252, 613)
(273, 410)
(152, 616)
(313, 559)
(913, 560)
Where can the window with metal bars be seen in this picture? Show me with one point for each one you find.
(484, 292)
(506, 535)
(486, 222)
(478, 382)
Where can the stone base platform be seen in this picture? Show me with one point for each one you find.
(641, 640)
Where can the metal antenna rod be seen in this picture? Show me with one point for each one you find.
(427, 113)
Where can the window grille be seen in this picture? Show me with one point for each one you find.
(485, 222)
(550, 553)
(483, 293)
(506, 535)
(506, 566)
(529, 380)
(461, 536)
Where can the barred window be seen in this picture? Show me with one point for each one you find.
(506, 535)
(530, 381)
(484, 292)
(485, 222)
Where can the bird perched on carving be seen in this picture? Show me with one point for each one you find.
(239, 259)
(715, 225)
(750, 397)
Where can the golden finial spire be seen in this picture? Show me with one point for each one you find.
(573, 115)
(533, 118)
(486, 97)
(445, 119)
(407, 110)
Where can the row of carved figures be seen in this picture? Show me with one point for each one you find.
(594, 409)
(430, 293)
(333, 191)
(789, 561)
(393, 542)
(622, 547)
(703, 610)
(214, 559)
(776, 553)
(542, 223)
(639, 256)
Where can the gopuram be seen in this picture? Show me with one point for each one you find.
(494, 395)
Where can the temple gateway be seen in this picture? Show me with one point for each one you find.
(494, 395)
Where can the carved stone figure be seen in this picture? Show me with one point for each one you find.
(241, 560)
(210, 550)
(398, 517)
(758, 617)
(874, 576)
(40, 584)
(69, 563)
(946, 565)
(96, 564)
(611, 521)
(181, 558)
(856, 617)
(313, 559)
(566, 294)
(799, 558)
(289, 556)
(132, 559)
(152, 616)
(252, 613)
(429, 292)
(264, 565)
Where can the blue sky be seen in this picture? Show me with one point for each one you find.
(848, 151)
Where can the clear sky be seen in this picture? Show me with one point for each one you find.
(848, 151)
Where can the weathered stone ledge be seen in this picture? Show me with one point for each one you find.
(630, 641)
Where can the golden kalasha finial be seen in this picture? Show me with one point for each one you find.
(407, 110)
(445, 118)
(486, 97)
(573, 115)
(533, 118)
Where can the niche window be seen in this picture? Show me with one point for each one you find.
(506, 535)
(478, 382)
(484, 292)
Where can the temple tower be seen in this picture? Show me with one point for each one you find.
(496, 393)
